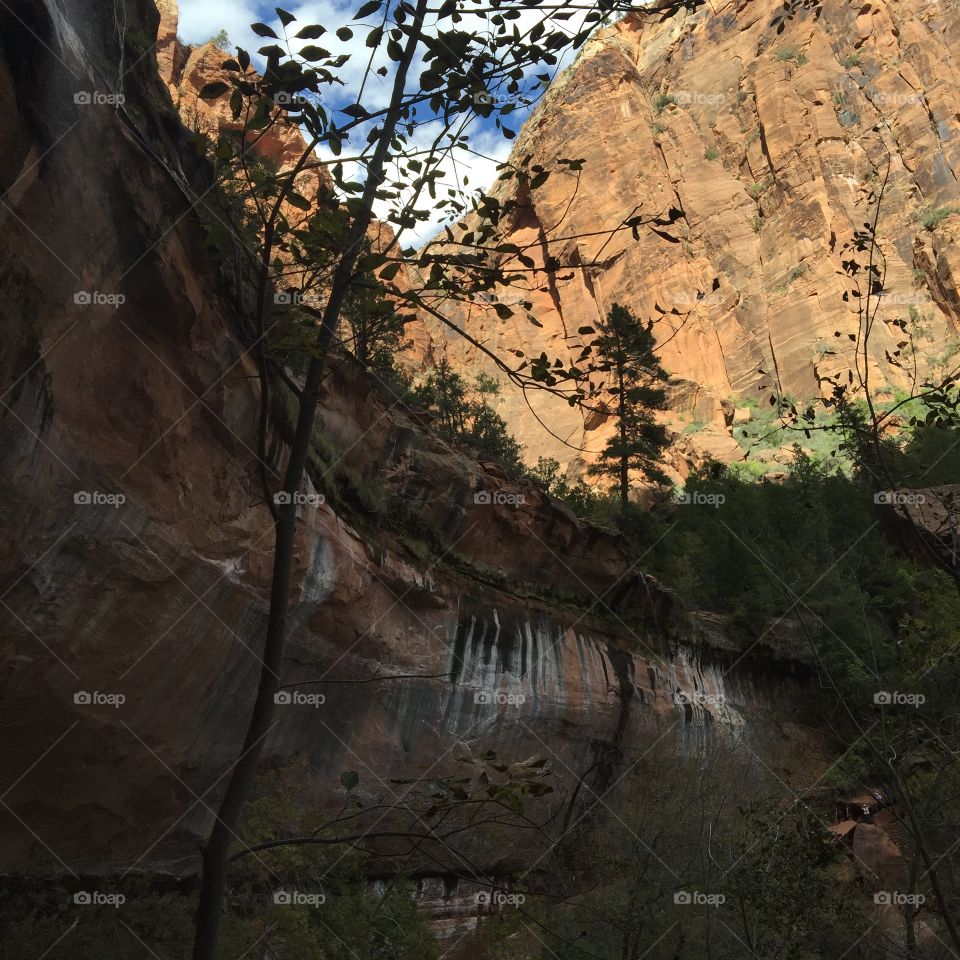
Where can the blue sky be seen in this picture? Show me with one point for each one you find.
(201, 19)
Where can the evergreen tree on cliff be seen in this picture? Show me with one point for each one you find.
(625, 349)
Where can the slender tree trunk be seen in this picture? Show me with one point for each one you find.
(909, 915)
(217, 851)
(919, 836)
(624, 456)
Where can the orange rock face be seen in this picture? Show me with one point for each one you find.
(767, 142)
(186, 70)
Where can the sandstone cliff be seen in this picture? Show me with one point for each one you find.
(187, 69)
(764, 124)
(138, 549)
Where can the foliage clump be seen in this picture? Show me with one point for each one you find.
(931, 217)
(468, 416)
(662, 101)
(791, 55)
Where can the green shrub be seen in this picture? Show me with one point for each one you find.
(932, 217)
(791, 54)
(798, 271)
(663, 101)
(469, 420)
(951, 351)
(795, 274)
(155, 915)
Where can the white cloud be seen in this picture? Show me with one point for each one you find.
(202, 19)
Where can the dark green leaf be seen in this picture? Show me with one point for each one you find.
(262, 30)
(311, 52)
(349, 779)
(211, 91)
(298, 201)
(312, 32)
(367, 9)
(390, 271)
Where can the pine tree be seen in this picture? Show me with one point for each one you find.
(624, 348)
(220, 39)
(470, 420)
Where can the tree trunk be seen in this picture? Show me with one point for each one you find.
(927, 856)
(624, 456)
(217, 851)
